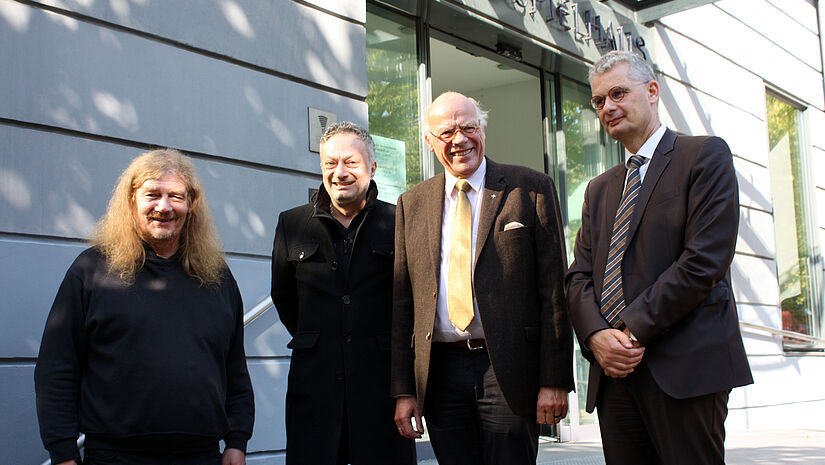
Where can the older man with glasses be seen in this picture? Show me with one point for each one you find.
(482, 345)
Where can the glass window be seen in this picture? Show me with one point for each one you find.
(584, 152)
(392, 73)
(797, 285)
(588, 150)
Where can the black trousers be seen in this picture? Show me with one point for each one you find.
(119, 457)
(467, 417)
(641, 425)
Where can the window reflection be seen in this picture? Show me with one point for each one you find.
(588, 153)
(793, 242)
(392, 67)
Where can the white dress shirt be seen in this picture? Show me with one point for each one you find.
(445, 330)
(645, 151)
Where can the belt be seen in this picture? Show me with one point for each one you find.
(467, 344)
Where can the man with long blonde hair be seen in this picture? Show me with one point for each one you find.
(143, 347)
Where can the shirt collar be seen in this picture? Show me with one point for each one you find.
(322, 201)
(649, 147)
(476, 179)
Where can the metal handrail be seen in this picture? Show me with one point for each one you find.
(251, 315)
(257, 311)
(782, 332)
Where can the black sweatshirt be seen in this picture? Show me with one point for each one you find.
(157, 364)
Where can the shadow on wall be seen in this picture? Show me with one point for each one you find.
(93, 79)
(670, 101)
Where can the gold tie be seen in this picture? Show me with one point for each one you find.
(459, 282)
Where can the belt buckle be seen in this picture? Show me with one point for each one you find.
(470, 346)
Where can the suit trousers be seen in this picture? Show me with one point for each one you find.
(121, 457)
(467, 416)
(642, 425)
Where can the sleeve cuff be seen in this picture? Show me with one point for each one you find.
(63, 450)
(236, 441)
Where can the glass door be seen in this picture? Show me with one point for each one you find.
(510, 91)
(583, 151)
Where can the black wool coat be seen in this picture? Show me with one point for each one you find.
(340, 327)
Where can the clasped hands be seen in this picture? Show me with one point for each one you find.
(616, 353)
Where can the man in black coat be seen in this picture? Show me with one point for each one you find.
(332, 266)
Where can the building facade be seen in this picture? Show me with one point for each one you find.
(245, 86)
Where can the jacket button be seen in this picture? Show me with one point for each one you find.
(301, 256)
(435, 294)
(428, 336)
(345, 299)
(334, 265)
(348, 338)
(339, 376)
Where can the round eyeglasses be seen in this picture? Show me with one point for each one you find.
(616, 94)
(448, 135)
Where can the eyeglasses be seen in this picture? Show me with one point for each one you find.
(448, 135)
(616, 94)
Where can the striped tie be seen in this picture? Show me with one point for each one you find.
(612, 292)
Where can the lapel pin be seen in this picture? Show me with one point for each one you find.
(492, 196)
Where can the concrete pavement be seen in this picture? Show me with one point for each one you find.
(772, 447)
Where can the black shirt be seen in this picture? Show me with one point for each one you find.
(156, 364)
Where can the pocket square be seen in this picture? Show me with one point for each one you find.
(513, 225)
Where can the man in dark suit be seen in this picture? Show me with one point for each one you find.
(649, 289)
(332, 285)
(482, 344)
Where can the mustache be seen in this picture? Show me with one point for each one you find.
(161, 216)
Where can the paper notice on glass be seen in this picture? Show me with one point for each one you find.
(391, 175)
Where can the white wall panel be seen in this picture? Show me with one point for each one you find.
(798, 416)
(731, 38)
(777, 380)
(278, 458)
(819, 207)
(754, 184)
(754, 280)
(802, 11)
(354, 9)
(761, 342)
(816, 129)
(94, 79)
(267, 336)
(696, 113)
(269, 380)
(756, 233)
(817, 163)
(281, 35)
(777, 25)
(684, 59)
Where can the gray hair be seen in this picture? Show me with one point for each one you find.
(640, 70)
(482, 114)
(348, 127)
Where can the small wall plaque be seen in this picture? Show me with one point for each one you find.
(319, 120)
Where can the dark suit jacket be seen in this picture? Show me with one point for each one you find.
(675, 270)
(340, 327)
(517, 280)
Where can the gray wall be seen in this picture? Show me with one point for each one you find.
(87, 86)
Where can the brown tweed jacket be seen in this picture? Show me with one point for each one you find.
(517, 280)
